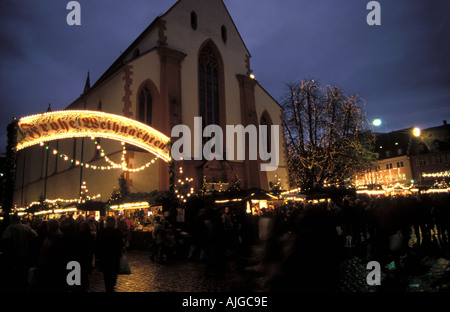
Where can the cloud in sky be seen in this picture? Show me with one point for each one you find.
(400, 68)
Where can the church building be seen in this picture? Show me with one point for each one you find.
(189, 62)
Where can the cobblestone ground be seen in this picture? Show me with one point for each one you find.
(419, 271)
(175, 276)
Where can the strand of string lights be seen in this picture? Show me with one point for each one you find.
(123, 159)
(112, 164)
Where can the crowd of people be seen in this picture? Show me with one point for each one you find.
(303, 243)
(307, 242)
(35, 252)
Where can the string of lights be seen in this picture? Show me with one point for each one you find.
(112, 164)
(443, 174)
(59, 201)
(123, 166)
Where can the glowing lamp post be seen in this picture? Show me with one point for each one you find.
(416, 132)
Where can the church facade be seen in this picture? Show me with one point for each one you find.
(189, 62)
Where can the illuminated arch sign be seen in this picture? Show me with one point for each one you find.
(57, 125)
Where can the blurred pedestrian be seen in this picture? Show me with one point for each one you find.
(109, 247)
(18, 241)
(158, 235)
(53, 259)
(86, 249)
(228, 228)
(199, 235)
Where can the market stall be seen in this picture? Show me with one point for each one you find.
(138, 218)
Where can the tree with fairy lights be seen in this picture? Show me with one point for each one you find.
(275, 186)
(183, 186)
(235, 186)
(203, 190)
(115, 195)
(325, 135)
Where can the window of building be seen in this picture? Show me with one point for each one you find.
(423, 161)
(224, 33)
(194, 20)
(399, 164)
(438, 159)
(266, 139)
(208, 69)
(145, 106)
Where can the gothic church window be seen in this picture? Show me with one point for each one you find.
(145, 106)
(266, 137)
(208, 68)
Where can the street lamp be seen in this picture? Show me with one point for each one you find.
(416, 132)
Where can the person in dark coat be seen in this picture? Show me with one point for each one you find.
(53, 259)
(86, 251)
(109, 250)
(17, 243)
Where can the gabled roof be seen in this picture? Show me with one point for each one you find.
(119, 62)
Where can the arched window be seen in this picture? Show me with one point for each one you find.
(266, 138)
(145, 106)
(208, 69)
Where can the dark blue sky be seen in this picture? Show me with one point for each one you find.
(401, 68)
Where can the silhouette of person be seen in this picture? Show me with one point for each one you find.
(18, 241)
(109, 250)
(53, 259)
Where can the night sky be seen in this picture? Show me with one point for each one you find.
(400, 68)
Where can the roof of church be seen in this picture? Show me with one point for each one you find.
(120, 60)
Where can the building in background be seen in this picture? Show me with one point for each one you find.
(406, 158)
(430, 155)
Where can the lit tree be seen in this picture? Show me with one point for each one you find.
(204, 189)
(324, 128)
(115, 195)
(275, 186)
(235, 185)
(183, 186)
